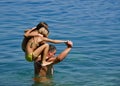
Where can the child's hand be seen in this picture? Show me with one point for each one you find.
(30, 29)
(40, 35)
(26, 30)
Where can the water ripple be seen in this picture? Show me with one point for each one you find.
(92, 25)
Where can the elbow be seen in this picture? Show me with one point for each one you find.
(25, 35)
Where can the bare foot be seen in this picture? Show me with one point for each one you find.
(46, 63)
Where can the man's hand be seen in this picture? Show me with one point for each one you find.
(69, 44)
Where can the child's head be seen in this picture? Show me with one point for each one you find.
(42, 24)
(42, 28)
(43, 31)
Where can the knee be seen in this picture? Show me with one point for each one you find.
(46, 45)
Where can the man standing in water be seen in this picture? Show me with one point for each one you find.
(43, 74)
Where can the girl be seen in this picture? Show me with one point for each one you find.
(37, 44)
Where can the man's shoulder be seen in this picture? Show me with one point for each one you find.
(52, 59)
(55, 60)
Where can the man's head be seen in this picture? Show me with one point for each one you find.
(51, 51)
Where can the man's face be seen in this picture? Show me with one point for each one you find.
(51, 54)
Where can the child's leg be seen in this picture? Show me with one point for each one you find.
(38, 51)
(43, 48)
(45, 52)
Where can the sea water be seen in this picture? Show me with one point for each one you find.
(92, 25)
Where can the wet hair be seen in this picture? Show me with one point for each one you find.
(51, 48)
(42, 24)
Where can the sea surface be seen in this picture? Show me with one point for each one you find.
(92, 25)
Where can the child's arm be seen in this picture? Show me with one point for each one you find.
(53, 41)
(31, 33)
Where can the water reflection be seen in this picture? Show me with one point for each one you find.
(43, 81)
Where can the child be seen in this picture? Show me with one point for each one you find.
(31, 33)
(37, 44)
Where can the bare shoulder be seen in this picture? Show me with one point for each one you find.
(52, 59)
(56, 60)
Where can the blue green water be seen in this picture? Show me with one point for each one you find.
(92, 25)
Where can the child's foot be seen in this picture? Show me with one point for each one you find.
(46, 63)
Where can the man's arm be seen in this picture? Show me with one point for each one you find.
(63, 54)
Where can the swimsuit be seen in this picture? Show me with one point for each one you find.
(29, 57)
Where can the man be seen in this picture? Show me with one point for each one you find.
(42, 74)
